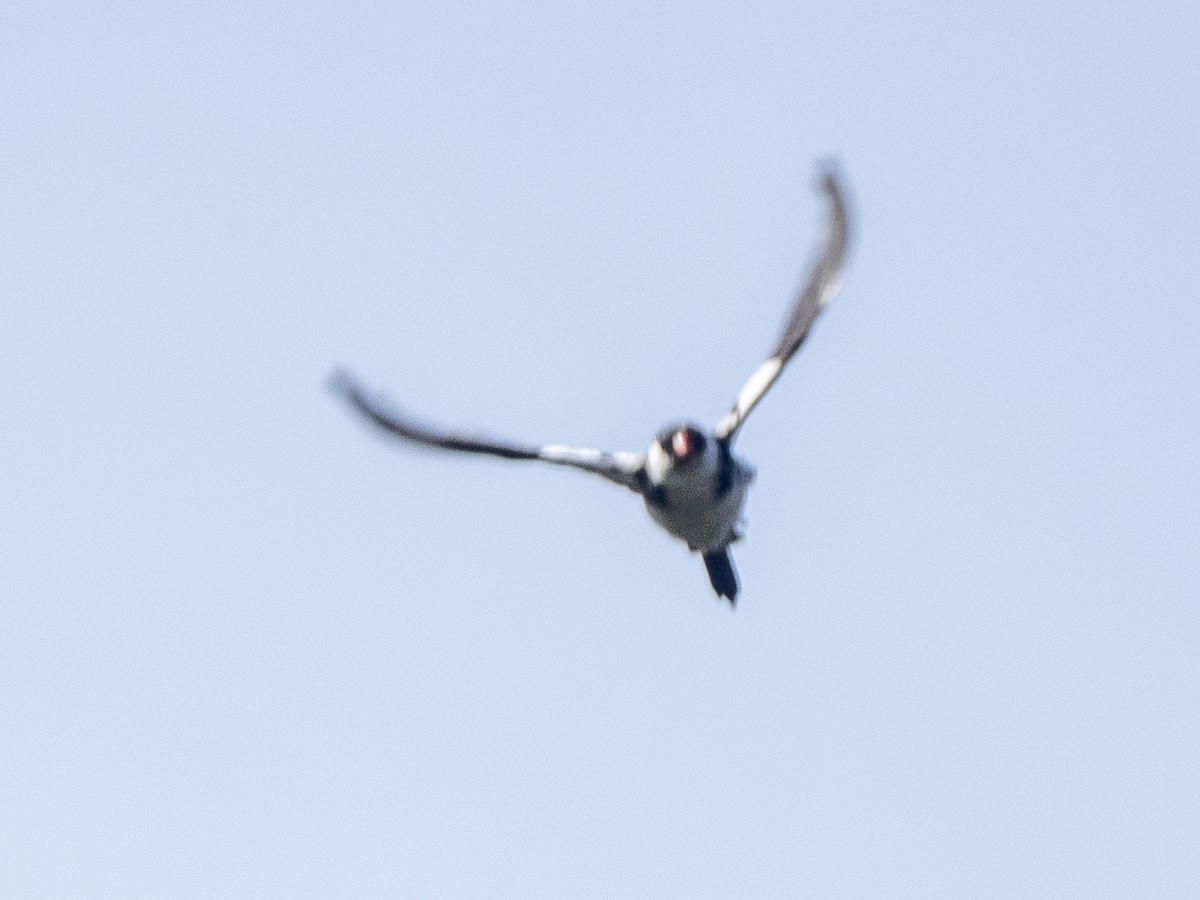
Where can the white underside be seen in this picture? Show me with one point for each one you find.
(703, 526)
(691, 513)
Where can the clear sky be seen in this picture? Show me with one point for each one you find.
(250, 649)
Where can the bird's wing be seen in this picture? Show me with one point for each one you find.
(824, 279)
(625, 469)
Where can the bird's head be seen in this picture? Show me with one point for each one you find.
(682, 443)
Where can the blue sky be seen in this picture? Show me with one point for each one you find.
(251, 649)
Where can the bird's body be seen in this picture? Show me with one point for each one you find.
(692, 483)
(698, 501)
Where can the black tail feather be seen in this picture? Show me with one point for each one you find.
(722, 575)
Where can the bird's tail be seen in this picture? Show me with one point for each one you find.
(722, 575)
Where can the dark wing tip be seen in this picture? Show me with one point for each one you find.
(824, 274)
(375, 407)
(833, 184)
(828, 167)
(342, 382)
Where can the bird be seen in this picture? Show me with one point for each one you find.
(692, 483)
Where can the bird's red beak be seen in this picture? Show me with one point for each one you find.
(681, 445)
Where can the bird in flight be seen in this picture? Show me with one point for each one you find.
(691, 481)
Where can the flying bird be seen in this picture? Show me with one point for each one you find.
(691, 481)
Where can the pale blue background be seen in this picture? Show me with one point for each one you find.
(249, 649)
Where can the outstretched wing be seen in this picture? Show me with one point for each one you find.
(823, 283)
(623, 468)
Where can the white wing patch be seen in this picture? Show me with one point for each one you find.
(762, 379)
(829, 292)
(764, 376)
(561, 452)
